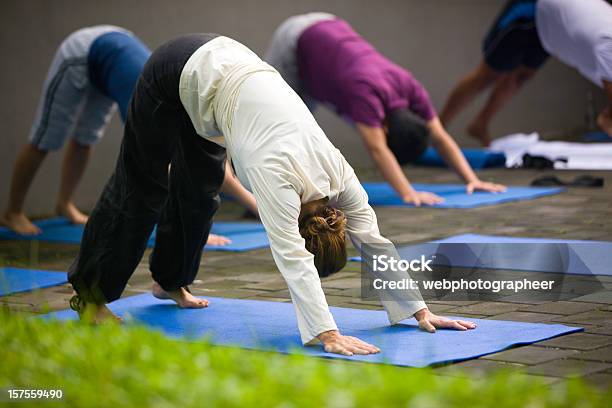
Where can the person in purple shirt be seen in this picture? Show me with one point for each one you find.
(326, 61)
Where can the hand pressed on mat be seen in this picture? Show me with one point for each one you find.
(419, 198)
(430, 322)
(479, 185)
(334, 342)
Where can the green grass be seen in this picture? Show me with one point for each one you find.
(113, 366)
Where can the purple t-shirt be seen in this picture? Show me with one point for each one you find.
(339, 68)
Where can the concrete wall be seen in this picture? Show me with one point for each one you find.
(438, 40)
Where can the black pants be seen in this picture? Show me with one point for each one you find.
(141, 192)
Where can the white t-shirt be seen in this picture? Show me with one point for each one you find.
(579, 33)
(281, 155)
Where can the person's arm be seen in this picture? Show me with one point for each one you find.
(231, 186)
(375, 141)
(452, 155)
(362, 228)
(279, 209)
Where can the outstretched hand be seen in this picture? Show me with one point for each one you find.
(419, 198)
(334, 342)
(430, 322)
(480, 185)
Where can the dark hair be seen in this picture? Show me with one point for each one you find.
(324, 233)
(407, 136)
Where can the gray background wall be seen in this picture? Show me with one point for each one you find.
(438, 40)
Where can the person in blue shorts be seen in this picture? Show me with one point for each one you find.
(94, 71)
(513, 54)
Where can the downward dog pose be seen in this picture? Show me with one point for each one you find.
(198, 95)
(513, 54)
(93, 70)
(325, 60)
(578, 32)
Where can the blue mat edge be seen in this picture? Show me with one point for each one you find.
(50, 285)
(54, 221)
(441, 241)
(544, 191)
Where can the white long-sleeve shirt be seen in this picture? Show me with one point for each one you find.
(579, 33)
(280, 154)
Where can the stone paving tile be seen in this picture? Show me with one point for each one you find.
(438, 308)
(525, 317)
(467, 315)
(605, 330)
(455, 303)
(341, 284)
(271, 285)
(600, 297)
(578, 341)
(254, 276)
(530, 355)
(568, 368)
(487, 308)
(599, 317)
(478, 367)
(354, 305)
(603, 381)
(561, 308)
(352, 293)
(224, 284)
(603, 354)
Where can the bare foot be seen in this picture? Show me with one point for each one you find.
(183, 298)
(70, 211)
(218, 240)
(95, 314)
(19, 223)
(480, 133)
(604, 121)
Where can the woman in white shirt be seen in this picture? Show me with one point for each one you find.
(197, 96)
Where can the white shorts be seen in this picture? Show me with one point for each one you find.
(70, 106)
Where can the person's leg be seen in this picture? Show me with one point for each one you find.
(506, 87)
(604, 119)
(27, 164)
(96, 113)
(122, 221)
(120, 225)
(74, 164)
(58, 109)
(196, 177)
(467, 89)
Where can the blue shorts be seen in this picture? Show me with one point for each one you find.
(513, 39)
(115, 62)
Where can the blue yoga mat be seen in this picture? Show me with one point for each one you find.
(574, 257)
(600, 137)
(476, 251)
(478, 158)
(455, 196)
(14, 280)
(245, 236)
(248, 324)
